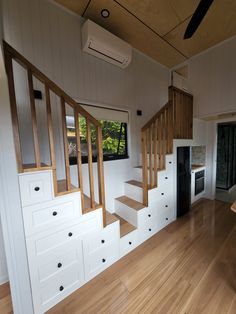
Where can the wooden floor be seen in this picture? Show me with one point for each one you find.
(188, 267)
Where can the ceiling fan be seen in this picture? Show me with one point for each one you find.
(197, 18)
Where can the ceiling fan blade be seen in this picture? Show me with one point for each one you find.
(197, 17)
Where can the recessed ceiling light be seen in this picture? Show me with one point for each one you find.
(105, 13)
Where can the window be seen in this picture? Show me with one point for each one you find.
(114, 134)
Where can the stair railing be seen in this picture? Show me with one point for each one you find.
(157, 141)
(173, 121)
(50, 87)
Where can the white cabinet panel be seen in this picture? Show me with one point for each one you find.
(41, 217)
(97, 259)
(128, 242)
(35, 187)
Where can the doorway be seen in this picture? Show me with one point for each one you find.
(226, 162)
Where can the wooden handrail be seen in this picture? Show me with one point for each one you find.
(13, 54)
(65, 186)
(154, 118)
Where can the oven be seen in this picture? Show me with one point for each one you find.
(199, 182)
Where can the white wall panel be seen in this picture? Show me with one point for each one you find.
(212, 77)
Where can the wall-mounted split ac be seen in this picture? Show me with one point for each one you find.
(104, 45)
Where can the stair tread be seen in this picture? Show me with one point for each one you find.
(110, 218)
(140, 184)
(62, 186)
(125, 226)
(158, 169)
(135, 182)
(130, 202)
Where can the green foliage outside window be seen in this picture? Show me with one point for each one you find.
(113, 134)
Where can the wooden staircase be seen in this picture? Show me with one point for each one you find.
(173, 121)
(53, 93)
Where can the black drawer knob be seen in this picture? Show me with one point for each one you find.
(54, 213)
(150, 229)
(59, 265)
(70, 234)
(170, 162)
(166, 206)
(167, 218)
(130, 242)
(37, 188)
(61, 288)
(166, 178)
(103, 260)
(162, 193)
(149, 215)
(103, 241)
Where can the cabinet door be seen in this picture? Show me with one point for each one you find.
(56, 274)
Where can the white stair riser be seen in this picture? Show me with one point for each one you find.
(163, 176)
(134, 192)
(126, 212)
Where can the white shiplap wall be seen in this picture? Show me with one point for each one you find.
(3, 263)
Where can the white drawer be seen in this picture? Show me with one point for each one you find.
(35, 187)
(59, 287)
(166, 217)
(99, 260)
(43, 216)
(146, 215)
(128, 242)
(56, 263)
(43, 243)
(148, 230)
(102, 238)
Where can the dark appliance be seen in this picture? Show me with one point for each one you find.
(199, 181)
(183, 180)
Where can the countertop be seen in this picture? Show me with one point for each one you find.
(233, 207)
(195, 168)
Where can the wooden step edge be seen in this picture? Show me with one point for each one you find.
(139, 184)
(125, 226)
(129, 202)
(158, 169)
(135, 183)
(110, 218)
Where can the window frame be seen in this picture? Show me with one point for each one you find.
(106, 157)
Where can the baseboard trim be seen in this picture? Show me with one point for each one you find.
(3, 280)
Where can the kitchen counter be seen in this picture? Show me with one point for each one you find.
(233, 207)
(195, 168)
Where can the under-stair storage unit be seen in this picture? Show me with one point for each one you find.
(55, 230)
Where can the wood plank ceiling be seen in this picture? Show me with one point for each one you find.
(156, 27)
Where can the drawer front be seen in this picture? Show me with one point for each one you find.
(166, 216)
(35, 187)
(102, 238)
(99, 260)
(42, 244)
(164, 193)
(128, 242)
(146, 216)
(40, 217)
(146, 231)
(59, 287)
(57, 263)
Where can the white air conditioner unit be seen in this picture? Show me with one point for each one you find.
(104, 45)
